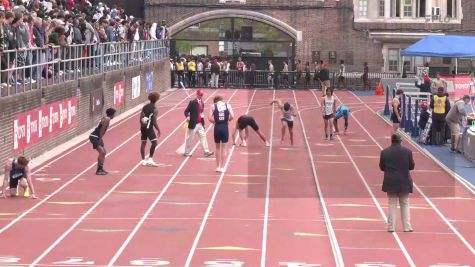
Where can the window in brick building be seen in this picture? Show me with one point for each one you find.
(407, 8)
(349, 58)
(381, 8)
(393, 59)
(363, 8)
(332, 57)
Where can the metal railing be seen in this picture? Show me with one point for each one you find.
(33, 69)
(265, 79)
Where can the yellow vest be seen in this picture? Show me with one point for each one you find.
(191, 66)
(439, 104)
(180, 66)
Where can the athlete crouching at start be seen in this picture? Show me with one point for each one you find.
(17, 173)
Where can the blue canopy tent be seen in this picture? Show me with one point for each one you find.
(453, 46)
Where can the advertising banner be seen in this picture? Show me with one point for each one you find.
(459, 85)
(97, 102)
(119, 94)
(135, 87)
(36, 125)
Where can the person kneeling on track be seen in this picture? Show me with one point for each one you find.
(17, 173)
(241, 125)
(287, 119)
(341, 111)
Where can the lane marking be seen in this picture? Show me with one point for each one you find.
(434, 207)
(137, 192)
(357, 219)
(193, 183)
(351, 205)
(326, 216)
(232, 248)
(184, 203)
(373, 197)
(104, 230)
(52, 246)
(267, 200)
(76, 177)
(308, 234)
(213, 197)
(69, 202)
(159, 197)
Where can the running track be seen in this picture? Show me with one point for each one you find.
(318, 203)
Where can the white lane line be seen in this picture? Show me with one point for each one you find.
(90, 210)
(433, 206)
(266, 208)
(153, 205)
(76, 177)
(215, 193)
(373, 197)
(331, 232)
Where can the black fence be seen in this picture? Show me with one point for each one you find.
(265, 79)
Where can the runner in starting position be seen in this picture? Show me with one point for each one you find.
(17, 173)
(342, 111)
(287, 118)
(241, 125)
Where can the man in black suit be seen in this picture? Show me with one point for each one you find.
(396, 161)
(194, 114)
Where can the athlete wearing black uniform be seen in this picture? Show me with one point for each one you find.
(17, 173)
(241, 125)
(148, 121)
(96, 140)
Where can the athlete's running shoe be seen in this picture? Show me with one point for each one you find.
(151, 163)
(101, 172)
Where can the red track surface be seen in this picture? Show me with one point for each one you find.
(318, 203)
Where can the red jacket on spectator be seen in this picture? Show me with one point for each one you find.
(70, 4)
(6, 4)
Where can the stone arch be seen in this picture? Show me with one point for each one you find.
(235, 13)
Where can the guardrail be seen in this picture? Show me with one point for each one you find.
(33, 69)
(265, 79)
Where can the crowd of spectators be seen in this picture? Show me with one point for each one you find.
(28, 24)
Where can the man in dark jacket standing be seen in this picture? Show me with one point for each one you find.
(194, 114)
(396, 161)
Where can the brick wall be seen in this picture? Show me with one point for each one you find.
(12, 105)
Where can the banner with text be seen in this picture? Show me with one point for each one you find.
(135, 87)
(36, 125)
(119, 94)
(459, 85)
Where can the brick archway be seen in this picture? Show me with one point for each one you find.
(235, 13)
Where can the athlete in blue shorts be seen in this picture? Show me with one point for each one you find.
(341, 111)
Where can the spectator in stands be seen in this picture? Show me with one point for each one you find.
(456, 114)
(425, 85)
(191, 73)
(440, 106)
(365, 77)
(341, 74)
(215, 70)
(438, 83)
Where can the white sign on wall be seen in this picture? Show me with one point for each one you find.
(135, 87)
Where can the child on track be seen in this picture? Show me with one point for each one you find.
(287, 119)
